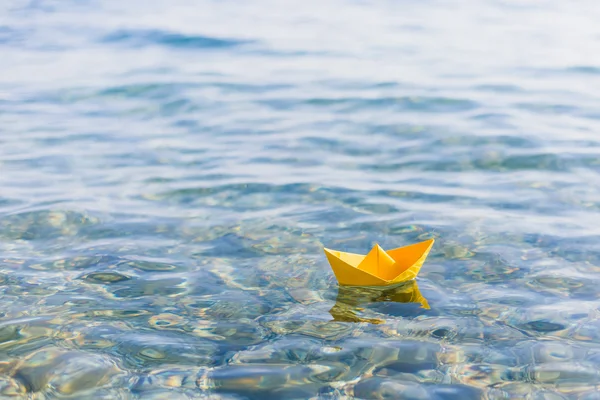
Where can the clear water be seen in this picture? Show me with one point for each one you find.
(171, 170)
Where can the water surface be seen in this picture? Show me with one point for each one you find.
(171, 170)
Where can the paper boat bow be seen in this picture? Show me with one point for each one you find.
(379, 268)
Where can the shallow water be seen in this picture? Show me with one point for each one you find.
(171, 170)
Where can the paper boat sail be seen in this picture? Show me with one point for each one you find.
(379, 268)
(351, 300)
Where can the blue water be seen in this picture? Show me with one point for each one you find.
(170, 172)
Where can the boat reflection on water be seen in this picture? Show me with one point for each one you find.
(351, 300)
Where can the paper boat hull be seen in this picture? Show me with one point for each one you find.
(350, 268)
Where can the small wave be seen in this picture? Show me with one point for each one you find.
(353, 104)
(589, 70)
(154, 90)
(151, 91)
(152, 37)
(547, 108)
(9, 35)
(499, 88)
(186, 195)
(584, 69)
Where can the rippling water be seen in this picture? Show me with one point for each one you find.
(171, 170)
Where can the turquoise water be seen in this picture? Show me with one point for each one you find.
(171, 170)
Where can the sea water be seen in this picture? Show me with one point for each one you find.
(170, 172)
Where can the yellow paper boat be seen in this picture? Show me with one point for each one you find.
(350, 300)
(379, 268)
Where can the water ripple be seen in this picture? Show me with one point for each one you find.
(153, 37)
